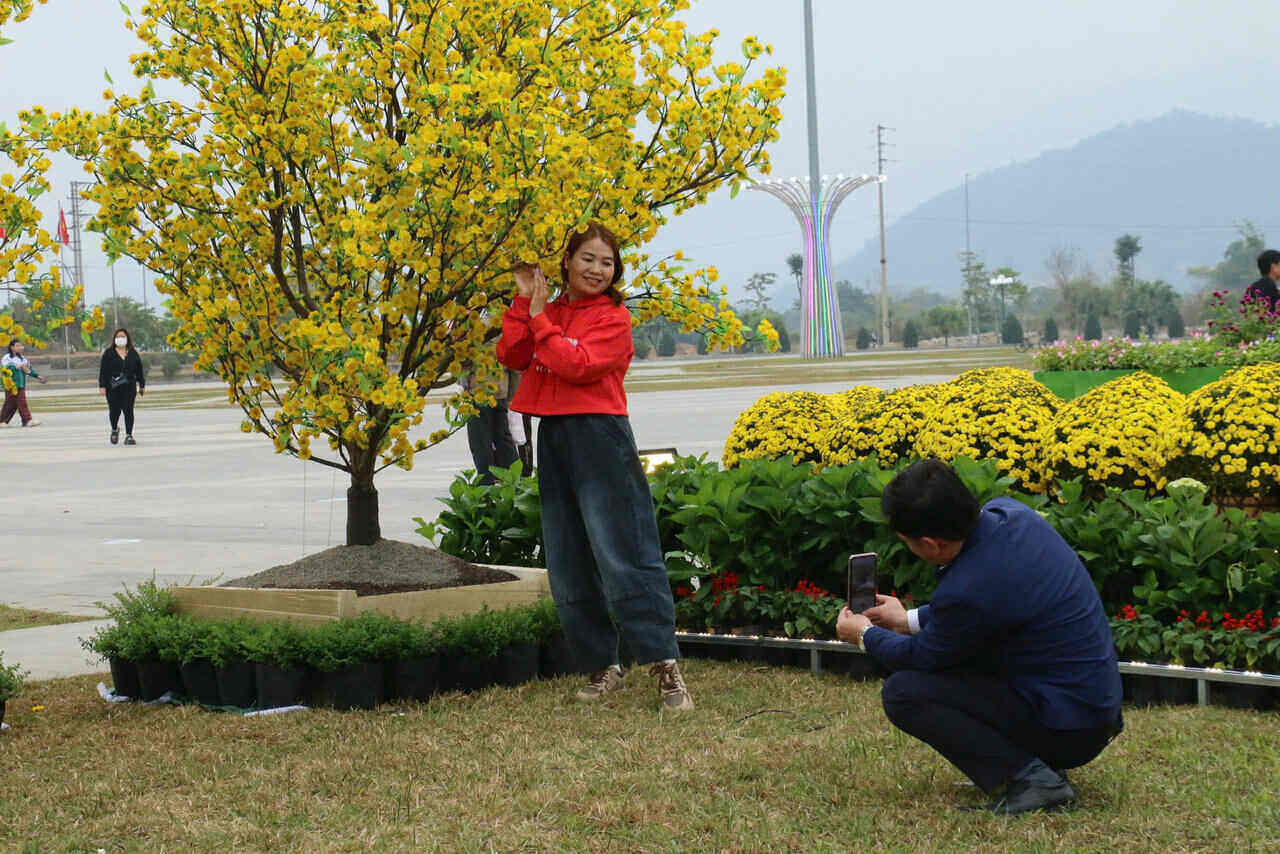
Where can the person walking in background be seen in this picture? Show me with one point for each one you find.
(488, 433)
(1266, 288)
(121, 379)
(19, 369)
(600, 533)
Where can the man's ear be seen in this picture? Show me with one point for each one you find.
(932, 544)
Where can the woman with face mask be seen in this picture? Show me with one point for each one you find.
(120, 380)
(604, 557)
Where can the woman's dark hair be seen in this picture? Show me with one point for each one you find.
(595, 230)
(928, 499)
(13, 341)
(1266, 259)
(112, 342)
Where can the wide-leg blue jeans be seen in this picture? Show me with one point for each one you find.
(604, 558)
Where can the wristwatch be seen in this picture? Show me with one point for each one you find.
(862, 634)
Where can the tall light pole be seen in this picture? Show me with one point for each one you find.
(813, 201)
(1000, 283)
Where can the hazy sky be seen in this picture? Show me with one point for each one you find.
(967, 86)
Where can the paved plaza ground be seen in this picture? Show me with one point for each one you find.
(196, 498)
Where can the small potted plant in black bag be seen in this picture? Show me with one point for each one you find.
(11, 682)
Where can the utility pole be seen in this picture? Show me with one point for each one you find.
(884, 271)
(115, 300)
(968, 303)
(77, 224)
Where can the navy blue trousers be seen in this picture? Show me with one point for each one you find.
(984, 727)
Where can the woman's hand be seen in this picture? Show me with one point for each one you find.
(43, 380)
(538, 300)
(102, 391)
(526, 277)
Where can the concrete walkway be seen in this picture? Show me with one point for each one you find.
(51, 652)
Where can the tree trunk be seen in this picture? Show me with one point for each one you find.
(362, 513)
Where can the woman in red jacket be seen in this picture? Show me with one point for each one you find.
(604, 558)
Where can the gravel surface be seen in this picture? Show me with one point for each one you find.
(388, 566)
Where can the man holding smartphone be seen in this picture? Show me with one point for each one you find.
(1010, 671)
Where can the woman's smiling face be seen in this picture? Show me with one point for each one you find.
(590, 269)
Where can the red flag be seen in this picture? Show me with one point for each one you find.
(63, 235)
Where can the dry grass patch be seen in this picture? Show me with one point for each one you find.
(528, 769)
(26, 618)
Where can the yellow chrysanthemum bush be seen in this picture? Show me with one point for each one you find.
(991, 413)
(1112, 435)
(1227, 434)
(37, 302)
(783, 423)
(853, 435)
(903, 413)
(340, 198)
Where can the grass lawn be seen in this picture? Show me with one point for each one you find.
(25, 618)
(527, 769)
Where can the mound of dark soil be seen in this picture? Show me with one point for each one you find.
(388, 566)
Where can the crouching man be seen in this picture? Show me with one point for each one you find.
(1010, 670)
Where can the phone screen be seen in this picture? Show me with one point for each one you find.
(862, 582)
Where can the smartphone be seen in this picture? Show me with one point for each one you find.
(862, 582)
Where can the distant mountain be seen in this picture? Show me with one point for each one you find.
(1179, 182)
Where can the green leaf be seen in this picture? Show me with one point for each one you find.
(107, 75)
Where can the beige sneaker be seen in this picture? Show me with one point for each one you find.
(671, 688)
(34, 422)
(601, 683)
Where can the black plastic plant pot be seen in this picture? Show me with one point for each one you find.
(124, 678)
(786, 657)
(518, 663)
(200, 682)
(558, 658)
(1140, 690)
(413, 678)
(356, 687)
(157, 678)
(474, 672)
(1234, 696)
(277, 687)
(858, 667)
(235, 684)
(1176, 692)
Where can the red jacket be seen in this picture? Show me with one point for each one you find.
(575, 355)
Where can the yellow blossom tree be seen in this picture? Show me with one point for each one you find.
(343, 194)
(26, 249)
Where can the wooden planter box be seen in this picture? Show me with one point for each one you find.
(322, 606)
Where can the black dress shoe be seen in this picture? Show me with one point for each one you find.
(115, 436)
(128, 440)
(1036, 787)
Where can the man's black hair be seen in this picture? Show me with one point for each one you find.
(1266, 259)
(928, 499)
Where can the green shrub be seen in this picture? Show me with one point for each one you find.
(1011, 330)
(667, 343)
(863, 341)
(1050, 330)
(910, 335)
(12, 679)
(1132, 326)
(499, 524)
(1177, 329)
(170, 364)
(1092, 328)
(283, 645)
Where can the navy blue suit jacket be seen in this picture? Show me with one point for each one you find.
(1018, 602)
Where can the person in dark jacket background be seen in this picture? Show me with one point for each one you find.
(1265, 288)
(1010, 671)
(121, 379)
